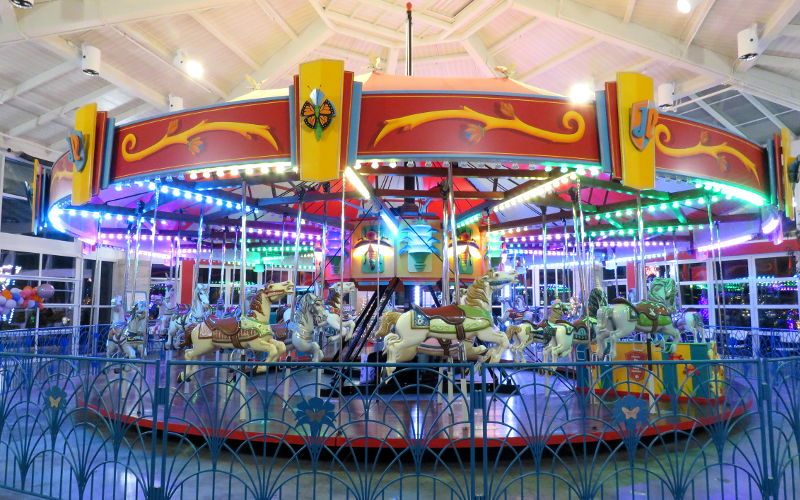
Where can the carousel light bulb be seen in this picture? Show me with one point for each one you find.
(392, 164)
(193, 176)
(375, 164)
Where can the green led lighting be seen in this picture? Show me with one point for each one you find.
(651, 208)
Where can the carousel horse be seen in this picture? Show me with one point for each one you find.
(116, 344)
(554, 333)
(182, 322)
(516, 313)
(691, 323)
(335, 315)
(621, 318)
(136, 328)
(167, 308)
(310, 314)
(471, 319)
(252, 331)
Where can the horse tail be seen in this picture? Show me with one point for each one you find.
(187, 338)
(388, 320)
(512, 330)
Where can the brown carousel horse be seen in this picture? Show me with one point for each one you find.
(250, 332)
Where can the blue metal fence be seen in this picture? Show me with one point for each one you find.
(80, 427)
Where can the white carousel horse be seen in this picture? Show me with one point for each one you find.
(181, 323)
(116, 344)
(516, 313)
(467, 321)
(335, 315)
(167, 308)
(555, 334)
(621, 318)
(310, 314)
(252, 331)
(691, 323)
(126, 338)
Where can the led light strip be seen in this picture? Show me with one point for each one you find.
(725, 243)
(730, 192)
(535, 192)
(200, 198)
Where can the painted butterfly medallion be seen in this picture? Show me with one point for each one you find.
(317, 112)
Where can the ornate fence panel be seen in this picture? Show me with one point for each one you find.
(80, 427)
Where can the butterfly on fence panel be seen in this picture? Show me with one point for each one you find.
(317, 112)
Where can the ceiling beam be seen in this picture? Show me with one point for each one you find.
(791, 30)
(276, 16)
(698, 17)
(722, 119)
(513, 36)
(559, 58)
(214, 31)
(29, 125)
(459, 195)
(127, 83)
(132, 113)
(59, 18)
(480, 54)
(764, 111)
(651, 42)
(629, 8)
(164, 56)
(790, 63)
(419, 14)
(40, 79)
(457, 172)
(288, 56)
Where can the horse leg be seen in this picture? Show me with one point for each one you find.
(673, 334)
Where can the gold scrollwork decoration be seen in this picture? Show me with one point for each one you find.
(508, 120)
(715, 151)
(191, 139)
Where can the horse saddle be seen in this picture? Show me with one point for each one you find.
(229, 330)
(650, 310)
(542, 332)
(584, 331)
(450, 319)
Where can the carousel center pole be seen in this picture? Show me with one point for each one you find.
(296, 262)
(341, 248)
(243, 262)
(451, 209)
(196, 277)
(445, 260)
(546, 300)
(139, 211)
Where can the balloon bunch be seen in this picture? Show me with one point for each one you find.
(26, 298)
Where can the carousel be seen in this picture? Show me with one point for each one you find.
(386, 221)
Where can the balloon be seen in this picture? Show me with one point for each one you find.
(2, 301)
(28, 288)
(15, 290)
(16, 296)
(25, 294)
(46, 290)
(11, 304)
(6, 294)
(31, 304)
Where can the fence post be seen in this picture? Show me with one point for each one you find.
(158, 460)
(769, 462)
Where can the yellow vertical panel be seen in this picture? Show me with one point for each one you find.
(318, 159)
(86, 123)
(788, 191)
(638, 165)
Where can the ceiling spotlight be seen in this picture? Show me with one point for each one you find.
(175, 103)
(90, 60)
(747, 43)
(666, 95)
(581, 93)
(191, 67)
(22, 4)
(685, 6)
(194, 68)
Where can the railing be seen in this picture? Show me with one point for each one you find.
(77, 427)
(744, 342)
(86, 340)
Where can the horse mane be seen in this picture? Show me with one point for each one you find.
(597, 299)
(476, 295)
(256, 305)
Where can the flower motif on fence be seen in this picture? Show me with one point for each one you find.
(630, 412)
(315, 413)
